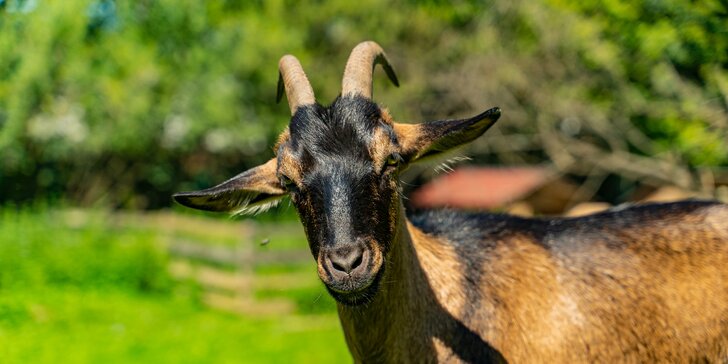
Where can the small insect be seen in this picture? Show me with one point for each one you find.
(265, 242)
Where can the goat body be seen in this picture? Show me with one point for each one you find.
(645, 283)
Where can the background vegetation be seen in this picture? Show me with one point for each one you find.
(109, 103)
(122, 103)
(83, 288)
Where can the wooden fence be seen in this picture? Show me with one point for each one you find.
(227, 276)
(221, 258)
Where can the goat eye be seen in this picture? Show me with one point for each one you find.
(392, 161)
(287, 182)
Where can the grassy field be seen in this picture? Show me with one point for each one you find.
(95, 292)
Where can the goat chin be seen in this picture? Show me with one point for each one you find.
(362, 295)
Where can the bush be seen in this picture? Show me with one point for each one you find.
(123, 103)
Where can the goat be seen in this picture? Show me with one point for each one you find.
(640, 284)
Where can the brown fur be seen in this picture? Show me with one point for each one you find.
(284, 137)
(289, 166)
(381, 148)
(661, 296)
(410, 137)
(264, 178)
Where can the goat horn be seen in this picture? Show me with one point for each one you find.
(360, 66)
(298, 89)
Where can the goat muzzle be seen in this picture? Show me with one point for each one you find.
(349, 268)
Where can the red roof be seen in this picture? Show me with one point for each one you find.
(480, 187)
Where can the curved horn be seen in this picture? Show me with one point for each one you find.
(360, 66)
(298, 89)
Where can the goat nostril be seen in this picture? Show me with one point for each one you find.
(338, 267)
(346, 260)
(357, 262)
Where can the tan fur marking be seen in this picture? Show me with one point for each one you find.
(443, 269)
(386, 116)
(264, 178)
(289, 166)
(282, 139)
(444, 353)
(380, 148)
(377, 257)
(409, 137)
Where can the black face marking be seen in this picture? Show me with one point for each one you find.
(343, 197)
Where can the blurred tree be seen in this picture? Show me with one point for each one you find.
(123, 103)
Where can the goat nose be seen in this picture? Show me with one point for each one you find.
(346, 259)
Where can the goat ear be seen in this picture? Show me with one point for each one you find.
(252, 191)
(419, 141)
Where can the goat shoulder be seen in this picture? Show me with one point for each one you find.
(643, 282)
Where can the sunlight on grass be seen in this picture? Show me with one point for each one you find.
(84, 295)
(87, 325)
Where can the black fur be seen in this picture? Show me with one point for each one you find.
(343, 199)
(475, 233)
(341, 130)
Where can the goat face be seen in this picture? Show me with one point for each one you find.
(339, 165)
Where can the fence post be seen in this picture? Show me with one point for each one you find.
(244, 263)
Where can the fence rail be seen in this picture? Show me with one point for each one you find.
(226, 256)
(225, 274)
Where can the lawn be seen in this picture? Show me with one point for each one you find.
(95, 292)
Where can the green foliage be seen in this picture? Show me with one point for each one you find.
(667, 61)
(123, 103)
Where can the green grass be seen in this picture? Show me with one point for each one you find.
(95, 293)
(113, 326)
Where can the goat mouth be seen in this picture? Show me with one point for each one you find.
(362, 294)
